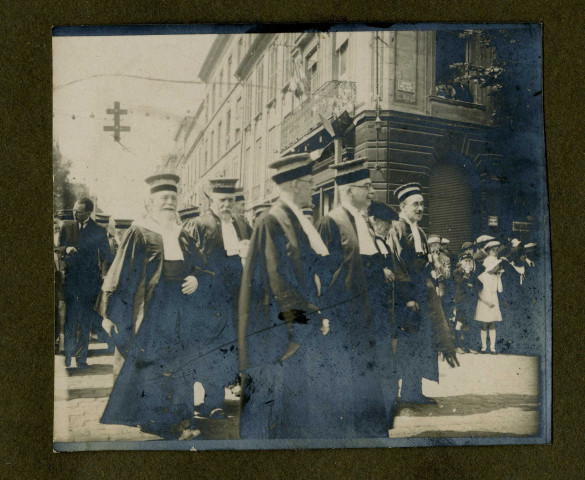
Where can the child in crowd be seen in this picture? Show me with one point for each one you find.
(488, 305)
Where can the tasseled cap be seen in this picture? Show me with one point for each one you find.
(188, 212)
(240, 194)
(224, 185)
(292, 167)
(122, 223)
(406, 190)
(163, 182)
(102, 218)
(351, 171)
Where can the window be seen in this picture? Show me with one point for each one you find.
(212, 99)
(258, 163)
(451, 49)
(207, 108)
(211, 146)
(220, 82)
(240, 44)
(228, 121)
(248, 105)
(219, 142)
(272, 73)
(311, 70)
(206, 155)
(229, 74)
(259, 87)
(287, 58)
(342, 61)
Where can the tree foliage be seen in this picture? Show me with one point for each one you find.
(63, 194)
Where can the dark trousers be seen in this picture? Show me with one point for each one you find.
(79, 317)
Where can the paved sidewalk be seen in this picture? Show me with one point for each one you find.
(487, 396)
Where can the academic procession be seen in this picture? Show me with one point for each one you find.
(317, 330)
(330, 253)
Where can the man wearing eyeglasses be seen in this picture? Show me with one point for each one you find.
(350, 348)
(418, 338)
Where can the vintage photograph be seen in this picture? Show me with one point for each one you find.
(269, 237)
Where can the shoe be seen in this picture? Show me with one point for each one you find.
(67, 361)
(189, 434)
(483, 350)
(82, 365)
(493, 352)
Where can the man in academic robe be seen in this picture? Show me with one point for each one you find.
(223, 238)
(83, 246)
(418, 339)
(187, 217)
(351, 350)
(153, 305)
(280, 325)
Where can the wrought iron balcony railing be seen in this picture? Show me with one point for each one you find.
(331, 99)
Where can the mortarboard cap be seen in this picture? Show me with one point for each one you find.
(163, 182)
(224, 185)
(188, 212)
(382, 211)
(406, 190)
(292, 167)
(350, 171)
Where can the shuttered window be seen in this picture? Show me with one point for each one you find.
(450, 205)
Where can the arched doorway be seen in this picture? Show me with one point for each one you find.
(451, 204)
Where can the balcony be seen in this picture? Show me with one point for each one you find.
(331, 99)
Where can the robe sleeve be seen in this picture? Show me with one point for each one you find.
(331, 264)
(262, 337)
(120, 290)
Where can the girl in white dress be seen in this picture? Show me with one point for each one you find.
(488, 305)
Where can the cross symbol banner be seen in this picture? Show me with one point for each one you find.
(116, 128)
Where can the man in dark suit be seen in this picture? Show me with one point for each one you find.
(280, 325)
(83, 246)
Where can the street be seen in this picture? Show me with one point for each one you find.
(487, 396)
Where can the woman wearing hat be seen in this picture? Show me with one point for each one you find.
(147, 302)
(488, 304)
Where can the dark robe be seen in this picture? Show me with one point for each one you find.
(163, 334)
(416, 354)
(349, 351)
(279, 330)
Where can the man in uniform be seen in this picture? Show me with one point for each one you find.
(357, 364)
(222, 237)
(280, 325)
(82, 245)
(419, 338)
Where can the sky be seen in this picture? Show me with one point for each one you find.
(115, 173)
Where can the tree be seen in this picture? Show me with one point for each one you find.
(63, 196)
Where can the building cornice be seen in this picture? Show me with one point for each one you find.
(258, 44)
(213, 57)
